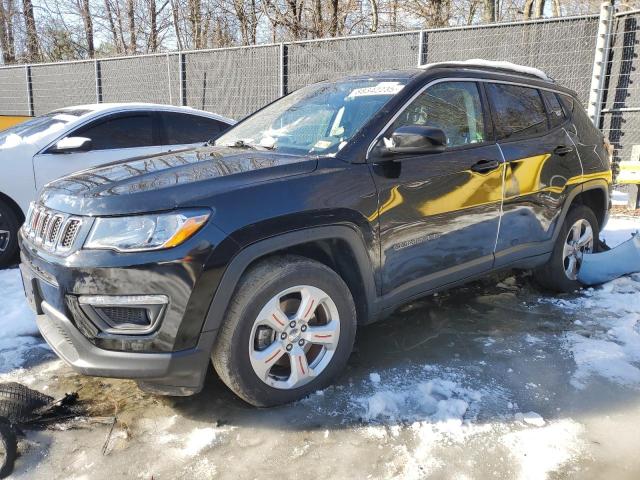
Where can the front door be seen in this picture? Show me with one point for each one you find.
(439, 213)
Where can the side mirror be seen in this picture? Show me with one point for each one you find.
(72, 144)
(415, 140)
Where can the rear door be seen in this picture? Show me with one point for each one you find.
(183, 130)
(439, 213)
(541, 163)
(114, 137)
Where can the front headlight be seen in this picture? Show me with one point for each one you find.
(145, 232)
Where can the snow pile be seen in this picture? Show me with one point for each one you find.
(531, 418)
(607, 341)
(609, 344)
(619, 230)
(541, 451)
(199, 439)
(14, 140)
(18, 330)
(438, 401)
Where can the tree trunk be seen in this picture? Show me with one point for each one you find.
(4, 38)
(527, 10)
(112, 26)
(334, 18)
(87, 22)
(489, 12)
(195, 18)
(153, 20)
(556, 8)
(317, 19)
(31, 31)
(539, 9)
(374, 15)
(176, 24)
(131, 10)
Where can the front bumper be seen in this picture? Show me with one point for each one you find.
(175, 373)
(173, 358)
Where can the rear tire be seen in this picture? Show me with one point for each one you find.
(9, 226)
(560, 272)
(288, 331)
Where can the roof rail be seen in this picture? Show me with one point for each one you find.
(494, 65)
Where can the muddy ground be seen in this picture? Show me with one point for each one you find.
(487, 381)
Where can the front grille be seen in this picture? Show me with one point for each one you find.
(70, 232)
(56, 231)
(119, 316)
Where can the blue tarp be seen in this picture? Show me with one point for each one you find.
(597, 268)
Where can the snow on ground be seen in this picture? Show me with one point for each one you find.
(18, 332)
(608, 342)
(619, 229)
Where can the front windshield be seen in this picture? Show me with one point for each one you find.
(39, 127)
(318, 119)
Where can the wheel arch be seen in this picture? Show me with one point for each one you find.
(13, 205)
(340, 247)
(593, 194)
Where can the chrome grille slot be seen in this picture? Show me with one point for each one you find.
(70, 232)
(34, 221)
(44, 224)
(54, 229)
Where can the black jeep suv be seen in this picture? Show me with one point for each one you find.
(325, 210)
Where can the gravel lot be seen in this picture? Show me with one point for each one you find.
(492, 380)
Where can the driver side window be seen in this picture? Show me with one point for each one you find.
(128, 131)
(453, 107)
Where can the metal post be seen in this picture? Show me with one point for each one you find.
(594, 109)
(169, 79)
(98, 74)
(421, 48)
(183, 79)
(27, 71)
(282, 53)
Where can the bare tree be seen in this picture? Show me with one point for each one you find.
(6, 31)
(131, 17)
(489, 11)
(33, 52)
(85, 13)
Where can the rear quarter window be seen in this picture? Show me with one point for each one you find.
(556, 113)
(518, 111)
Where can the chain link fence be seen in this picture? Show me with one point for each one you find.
(236, 81)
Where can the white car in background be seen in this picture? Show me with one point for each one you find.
(50, 146)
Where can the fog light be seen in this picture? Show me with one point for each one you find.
(125, 315)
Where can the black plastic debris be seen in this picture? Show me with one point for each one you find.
(21, 407)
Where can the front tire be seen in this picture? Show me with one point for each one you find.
(288, 331)
(9, 225)
(580, 234)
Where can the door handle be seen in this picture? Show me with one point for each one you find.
(483, 166)
(562, 150)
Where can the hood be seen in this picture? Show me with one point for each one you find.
(162, 182)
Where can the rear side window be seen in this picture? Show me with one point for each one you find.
(453, 107)
(554, 109)
(181, 128)
(518, 111)
(129, 131)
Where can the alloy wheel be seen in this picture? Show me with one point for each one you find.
(294, 337)
(578, 242)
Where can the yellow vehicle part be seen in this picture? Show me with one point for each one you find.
(629, 172)
(7, 121)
